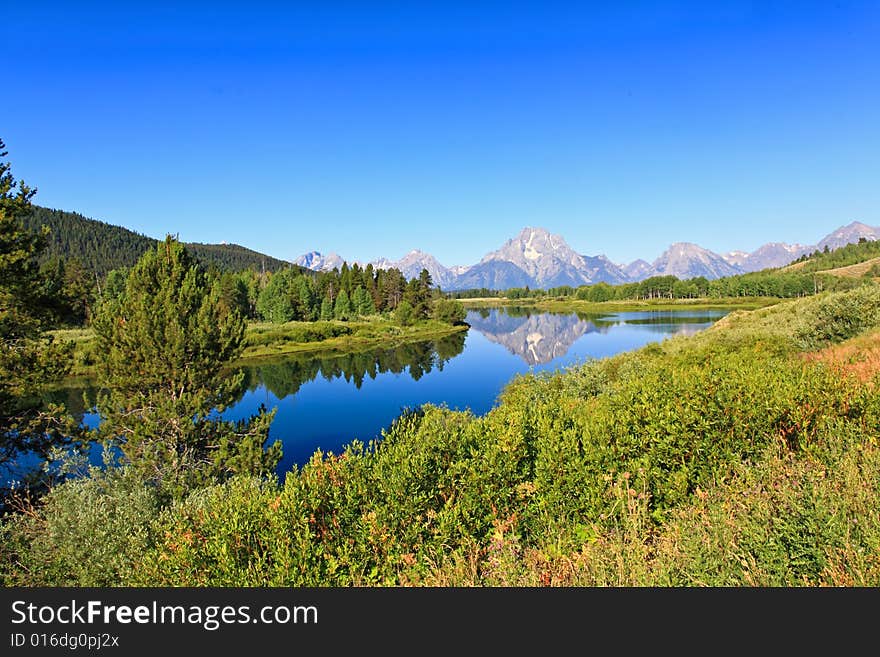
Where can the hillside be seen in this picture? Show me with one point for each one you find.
(101, 246)
(838, 259)
(857, 270)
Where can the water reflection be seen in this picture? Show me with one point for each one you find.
(540, 337)
(325, 401)
(285, 376)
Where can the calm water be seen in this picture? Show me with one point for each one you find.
(326, 403)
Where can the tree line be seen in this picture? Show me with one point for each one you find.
(771, 283)
(166, 330)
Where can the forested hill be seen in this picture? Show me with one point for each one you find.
(850, 254)
(102, 247)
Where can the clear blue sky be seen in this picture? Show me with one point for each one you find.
(371, 128)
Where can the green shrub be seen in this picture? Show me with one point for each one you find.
(88, 532)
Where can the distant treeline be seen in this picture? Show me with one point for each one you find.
(345, 293)
(772, 283)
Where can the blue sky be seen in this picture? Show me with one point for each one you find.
(371, 128)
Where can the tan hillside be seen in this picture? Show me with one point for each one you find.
(852, 271)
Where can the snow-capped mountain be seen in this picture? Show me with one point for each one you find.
(772, 254)
(735, 258)
(638, 270)
(316, 261)
(550, 262)
(540, 259)
(412, 264)
(687, 260)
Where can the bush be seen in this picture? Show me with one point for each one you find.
(450, 311)
(840, 315)
(405, 313)
(88, 532)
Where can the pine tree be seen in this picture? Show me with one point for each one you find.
(162, 350)
(342, 309)
(326, 309)
(275, 302)
(28, 358)
(308, 302)
(363, 302)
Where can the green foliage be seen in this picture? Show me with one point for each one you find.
(232, 294)
(326, 309)
(363, 302)
(101, 247)
(596, 293)
(849, 254)
(840, 316)
(342, 309)
(162, 348)
(28, 356)
(276, 303)
(450, 311)
(405, 313)
(91, 531)
(724, 458)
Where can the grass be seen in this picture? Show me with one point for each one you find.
(266, 340)
(858, 357)
(852, 271)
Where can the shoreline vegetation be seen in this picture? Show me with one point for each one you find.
(264, 340)
(746, 454)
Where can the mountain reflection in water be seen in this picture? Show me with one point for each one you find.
(540, 337)
(324, 401)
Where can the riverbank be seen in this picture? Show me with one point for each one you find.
(265, 340)
(745, 455)
(568, 305)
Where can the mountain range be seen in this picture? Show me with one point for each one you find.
(534, 258)
(539, 259)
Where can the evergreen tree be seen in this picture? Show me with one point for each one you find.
(392, 285)
(28, 358)
(307, 309)
(425, 281)
(342, 309)
(162, 349)
(405, 314)
(416, 294)
(232, 293)
(326, 309)
(276, 302)
(363, 302)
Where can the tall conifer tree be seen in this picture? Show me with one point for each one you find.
(28, 357)
(163, 347)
